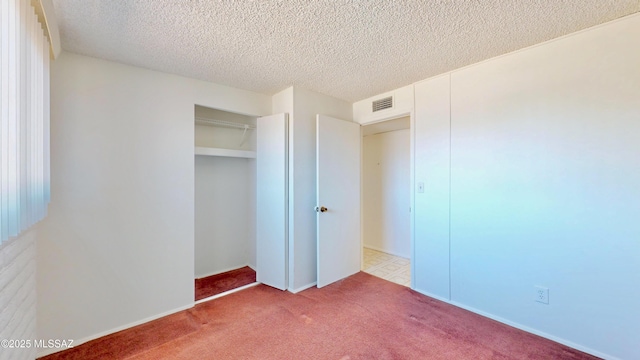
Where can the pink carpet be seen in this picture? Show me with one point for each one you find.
(216, 284)
(361, 317)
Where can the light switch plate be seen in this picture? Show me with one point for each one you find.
(420, 187)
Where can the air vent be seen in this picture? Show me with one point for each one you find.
(386, 103)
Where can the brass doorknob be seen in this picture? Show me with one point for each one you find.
(321, 209)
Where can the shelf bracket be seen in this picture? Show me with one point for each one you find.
(244, 133)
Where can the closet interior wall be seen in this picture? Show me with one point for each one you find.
(225, 236)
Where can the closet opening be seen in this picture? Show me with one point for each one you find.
(386, 200)
(225, 202)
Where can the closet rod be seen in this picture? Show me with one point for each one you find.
(223, 123)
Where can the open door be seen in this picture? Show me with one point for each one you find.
(272, 200)
(338, 198)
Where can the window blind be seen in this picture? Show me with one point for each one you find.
(24, 118)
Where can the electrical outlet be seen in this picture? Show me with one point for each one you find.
(542, 295)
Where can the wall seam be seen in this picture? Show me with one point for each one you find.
(450, 136)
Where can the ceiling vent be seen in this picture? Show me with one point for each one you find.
(382, 104)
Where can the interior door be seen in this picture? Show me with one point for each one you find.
(338, 198)
(272, 200)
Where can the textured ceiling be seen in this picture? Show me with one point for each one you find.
(350, 49)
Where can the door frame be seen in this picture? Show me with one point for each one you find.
(193, 240)
(412, 137)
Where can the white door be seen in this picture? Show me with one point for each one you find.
(272, 200)
(338, 198)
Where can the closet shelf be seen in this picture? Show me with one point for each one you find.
(207, 151)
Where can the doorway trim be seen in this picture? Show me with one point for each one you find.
(412, 142)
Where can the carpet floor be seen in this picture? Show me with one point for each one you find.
(361, 317)
(216, 284)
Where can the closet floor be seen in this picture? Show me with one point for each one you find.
(386, 266)
(216, 284)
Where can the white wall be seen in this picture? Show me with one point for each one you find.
(251, 215)
(118, 244)
(430, 268)
(18, 294)
(302, 128)
(282, 102)
(303, 106)
(386, 192)
(222, 203)
(544, 187)
(402, 105)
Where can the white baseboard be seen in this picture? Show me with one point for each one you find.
(305, 287)
(79, 342)
(387, 251)
(523, 327)
(536, 332)
(437, 297)
(227, 293)
(582, 348)
(200, 276)
(46, 352)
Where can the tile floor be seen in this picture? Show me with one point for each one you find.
(387, 266)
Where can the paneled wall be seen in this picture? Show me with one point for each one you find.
(531, 165)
